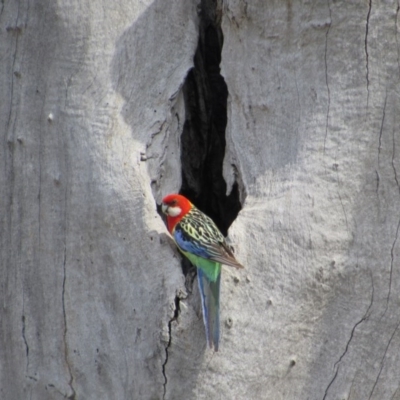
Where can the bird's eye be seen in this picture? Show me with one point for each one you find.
(173, 202)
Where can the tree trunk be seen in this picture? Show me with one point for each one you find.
(106, 107)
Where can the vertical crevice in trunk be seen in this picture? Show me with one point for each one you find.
(203, 137)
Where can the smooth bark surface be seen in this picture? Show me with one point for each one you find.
(94, 304)
(88, 286)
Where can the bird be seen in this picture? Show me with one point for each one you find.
(198, 238)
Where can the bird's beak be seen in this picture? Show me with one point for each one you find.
(164, 208)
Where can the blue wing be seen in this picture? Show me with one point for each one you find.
(189, 244)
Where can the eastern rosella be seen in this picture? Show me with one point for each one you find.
(199, 239)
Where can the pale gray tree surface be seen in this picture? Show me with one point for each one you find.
(95, 97)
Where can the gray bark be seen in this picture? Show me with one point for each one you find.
(94, 304)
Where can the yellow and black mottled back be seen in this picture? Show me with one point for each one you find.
(201, 227)
(204, 239)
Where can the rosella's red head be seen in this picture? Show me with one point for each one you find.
(175, 206)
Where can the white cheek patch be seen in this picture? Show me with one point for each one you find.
(174, 211)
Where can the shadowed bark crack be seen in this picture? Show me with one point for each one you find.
(381, 130)
(393, 157)
(26, 343)
(336, 366)
(380, 141)
(66, 353)
(23, 332)
(377, 181)
(366, 49)
(174, 318)
(203, 138)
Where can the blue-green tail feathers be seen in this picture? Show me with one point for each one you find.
(209, 292)
(209, 278)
